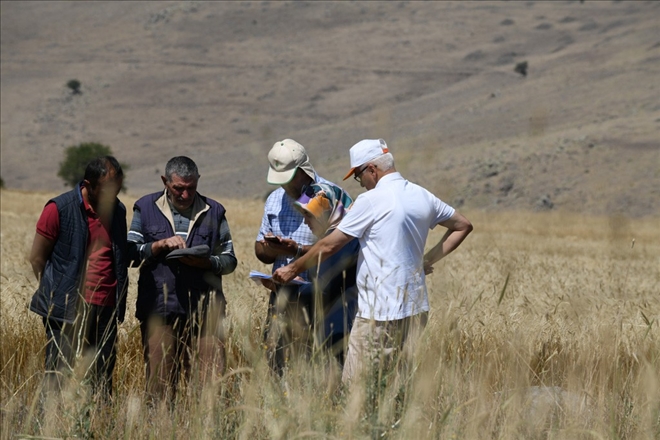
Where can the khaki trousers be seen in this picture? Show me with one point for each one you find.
(377, 344)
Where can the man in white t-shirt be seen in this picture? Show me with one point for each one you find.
(391, 221)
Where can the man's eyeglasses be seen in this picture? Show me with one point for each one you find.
(357, 175)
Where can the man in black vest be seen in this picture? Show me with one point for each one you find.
(184, 245)
(79, 257)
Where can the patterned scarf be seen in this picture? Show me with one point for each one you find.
(327, 203)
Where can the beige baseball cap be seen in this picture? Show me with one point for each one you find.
(365, 151)
(285, 158)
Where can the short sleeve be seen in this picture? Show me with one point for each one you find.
(266, 227)
(358, 219)
(49, 222)
(443, 211)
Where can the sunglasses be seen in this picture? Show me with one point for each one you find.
(357, 175)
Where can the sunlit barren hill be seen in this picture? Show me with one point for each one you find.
(222, 81)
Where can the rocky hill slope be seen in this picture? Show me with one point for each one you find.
(222, 81)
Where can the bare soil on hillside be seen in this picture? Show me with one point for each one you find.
(222, 81)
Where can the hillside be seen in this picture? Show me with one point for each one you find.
(222, 81)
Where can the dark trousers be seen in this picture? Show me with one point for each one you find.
(97, 327)
(166, 348)
(288, 327)
(175, 345)
(100, 341)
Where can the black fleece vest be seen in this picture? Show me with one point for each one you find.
(168, 288)
(61, 281)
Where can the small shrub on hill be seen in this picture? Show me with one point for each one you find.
(74, 85)
(76, 158)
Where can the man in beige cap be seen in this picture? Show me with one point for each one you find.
(391, 221)
(283, 235)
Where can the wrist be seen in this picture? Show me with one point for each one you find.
(299, 250)
(296, 267)
(155, 248)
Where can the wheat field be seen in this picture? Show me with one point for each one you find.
(543, 325)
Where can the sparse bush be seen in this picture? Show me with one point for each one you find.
(521, 68)
(76, 158)
(74, 85)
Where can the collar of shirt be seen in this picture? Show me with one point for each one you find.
(88, 209)
(389, 177)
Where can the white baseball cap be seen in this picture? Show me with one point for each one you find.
(285, 158)
(366, 151)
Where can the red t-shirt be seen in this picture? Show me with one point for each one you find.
(100, 280)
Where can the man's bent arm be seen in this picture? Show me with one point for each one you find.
(324, 248)
(223, 259)
(139, 251)
(264, 253)
(42, 248)
(267, 252)
(458, 227)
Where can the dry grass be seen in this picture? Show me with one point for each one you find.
(542, 326)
